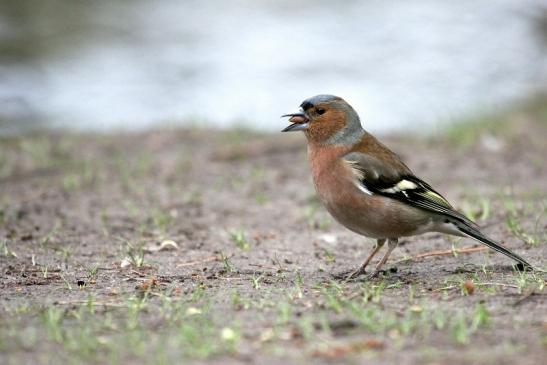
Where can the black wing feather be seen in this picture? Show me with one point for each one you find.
(413, 191)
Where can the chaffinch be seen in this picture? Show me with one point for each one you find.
(367, 187)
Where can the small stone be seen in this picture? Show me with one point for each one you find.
(192, 311)
(227, 334)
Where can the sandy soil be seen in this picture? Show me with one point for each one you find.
(83, 277)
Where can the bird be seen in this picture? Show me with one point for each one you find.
(369, 189)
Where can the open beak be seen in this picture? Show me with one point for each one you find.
(299, 121)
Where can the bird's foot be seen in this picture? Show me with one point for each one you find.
(353, 275)
(349, 275)
(376, 273)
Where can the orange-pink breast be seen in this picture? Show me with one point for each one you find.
(370, 215)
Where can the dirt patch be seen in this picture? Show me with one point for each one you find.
(85, 277)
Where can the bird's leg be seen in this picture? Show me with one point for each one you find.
(391, 245)
(361, 270)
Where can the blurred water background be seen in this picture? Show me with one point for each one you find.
(404, 65)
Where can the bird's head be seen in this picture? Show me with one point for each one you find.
(326, 119)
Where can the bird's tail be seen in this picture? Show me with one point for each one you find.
(472, 232)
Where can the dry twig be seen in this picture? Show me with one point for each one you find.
(470, 249)
(202, 261)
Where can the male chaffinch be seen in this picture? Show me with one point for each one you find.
(367, 188)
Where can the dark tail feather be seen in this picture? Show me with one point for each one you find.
(474, 233)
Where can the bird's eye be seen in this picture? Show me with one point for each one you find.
(320, 111)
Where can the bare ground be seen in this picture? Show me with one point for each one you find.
(84, 277)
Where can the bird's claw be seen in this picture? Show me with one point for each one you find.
(355, 274)
(373, 275)
(348, 275)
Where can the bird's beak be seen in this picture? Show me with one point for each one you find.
(298, 119)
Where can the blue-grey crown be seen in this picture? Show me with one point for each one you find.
(324, 98)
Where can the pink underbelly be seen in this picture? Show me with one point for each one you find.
(379, 217)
